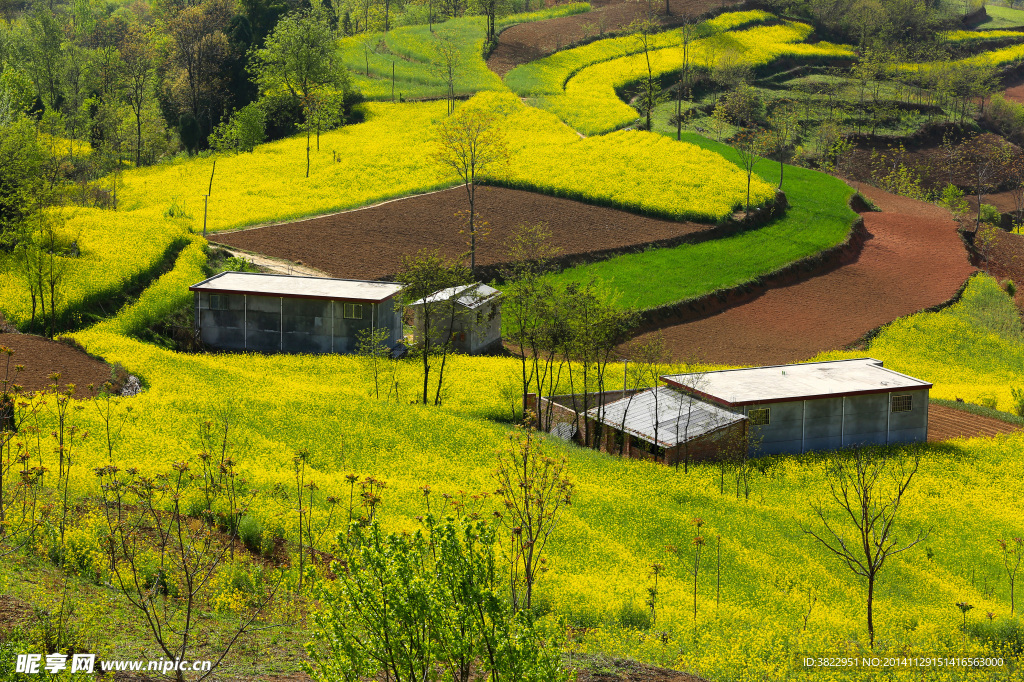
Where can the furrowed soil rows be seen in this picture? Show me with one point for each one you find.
(912, 259)
(945, 423)
(369, 243)
(525, 43)
(1006, 261)
(42, 357)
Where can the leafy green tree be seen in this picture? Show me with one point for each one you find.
(301, 57)
(140, 76)
(423, 606)
(21, 159)
(242, 131)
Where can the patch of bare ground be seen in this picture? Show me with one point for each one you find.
(1004, 259)
(369, 243)
(525, 43)
(42, 357)
(14, 613)
(945, 423)
(913, 259)
(623, 670)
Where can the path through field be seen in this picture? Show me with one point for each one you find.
(525, 43)
(913, 259)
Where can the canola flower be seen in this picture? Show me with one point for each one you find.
(973, 37)
(590, 102)
(388, 155)
(581, 85)
(1003, 56)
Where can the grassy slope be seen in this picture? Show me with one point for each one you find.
(818, 217)
(1002, 17)
(602, 553)
(410, 50)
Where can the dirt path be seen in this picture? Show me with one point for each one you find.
(276, 265)
(369, 243)
(913, 259)
(42, 357)
(945, 423)
(525, 43)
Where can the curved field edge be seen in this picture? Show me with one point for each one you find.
(611, 535)
(818, 218)
(386, 157)
(408, 50)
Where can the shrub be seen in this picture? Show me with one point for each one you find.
(250, 530)
(1018, 400)
(1011, 288)
(952, 197)
(634, 617)
(990, 214)
(1005, 634)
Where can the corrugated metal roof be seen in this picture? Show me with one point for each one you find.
(294, 286)
(804, 381)
(679, 417)
(469, 295)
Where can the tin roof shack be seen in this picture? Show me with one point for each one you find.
(472, 314)
(817, 405)
(669, 426)
(290, 314)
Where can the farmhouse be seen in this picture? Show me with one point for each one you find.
(291, 314)
(817, 405)
(765, 410)
(472, 313)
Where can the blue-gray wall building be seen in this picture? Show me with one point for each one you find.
(269, 313)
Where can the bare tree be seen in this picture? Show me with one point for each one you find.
(446, 64)
(868, 489)
(430, 282)
(534, 489)
(751, 146)
(470, 142)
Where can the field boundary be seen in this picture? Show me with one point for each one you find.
(720, 300)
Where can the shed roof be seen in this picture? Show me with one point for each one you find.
(295, 286)
(469, 296)
(676, 416)
(805, 381)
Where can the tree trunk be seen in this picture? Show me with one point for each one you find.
(871, 598)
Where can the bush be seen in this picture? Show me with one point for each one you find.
(952, 197)
(634, 617)
(1018, 400)
(1011, 288)
(990, 214)
(250, 530)
(1005, 635)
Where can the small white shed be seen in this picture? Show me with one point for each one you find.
(472, 313)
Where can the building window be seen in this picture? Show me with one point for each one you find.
(218, 302)
(353, 311)
(760, 417)
(902, 403)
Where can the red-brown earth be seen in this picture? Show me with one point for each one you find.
(525, 43)
(42, 357)
(369, 243)
(945, 423)
(913, 259)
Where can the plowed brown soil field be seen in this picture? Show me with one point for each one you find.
(42, 357)
(1006, 261)
(369, 243)
(945, 423)
(913, 259)
(527, 42)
